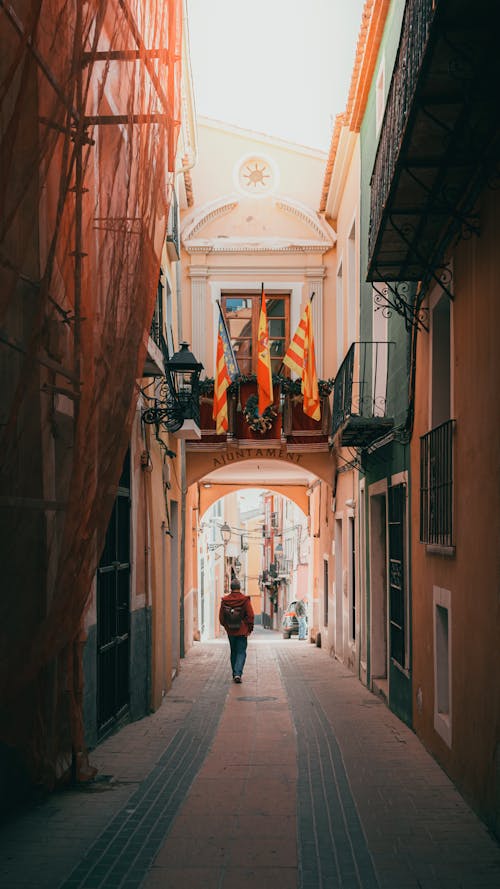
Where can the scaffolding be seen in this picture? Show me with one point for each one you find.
(89, 121)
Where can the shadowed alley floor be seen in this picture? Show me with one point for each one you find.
(298, 777)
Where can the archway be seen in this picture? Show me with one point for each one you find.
(261, 536)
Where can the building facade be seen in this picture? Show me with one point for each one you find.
(438, 230)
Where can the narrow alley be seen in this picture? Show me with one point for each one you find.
(249, 373)
(299, 777)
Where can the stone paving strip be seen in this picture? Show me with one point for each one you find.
(126, 848)
(40, 846)
(419, 831)
(333, 849)
(237, 827)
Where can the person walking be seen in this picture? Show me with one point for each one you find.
(237, 617)
(300, 611)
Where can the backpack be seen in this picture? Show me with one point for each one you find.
(232, 615)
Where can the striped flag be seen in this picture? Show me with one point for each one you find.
(301, 359)
(226, 370)
(264, 374)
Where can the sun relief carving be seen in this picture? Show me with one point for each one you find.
(256, 175)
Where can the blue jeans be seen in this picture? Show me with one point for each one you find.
(238, 653)
(302, 626)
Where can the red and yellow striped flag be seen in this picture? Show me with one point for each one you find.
(300, 358)
(226, 371)
(264, 374)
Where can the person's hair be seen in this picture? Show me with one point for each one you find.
(235, 585)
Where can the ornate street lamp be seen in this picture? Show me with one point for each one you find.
(178, 408)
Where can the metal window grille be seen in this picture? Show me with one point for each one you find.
(436, 485)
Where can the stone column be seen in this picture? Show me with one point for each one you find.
(199, 341)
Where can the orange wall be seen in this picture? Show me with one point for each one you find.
(472, 575)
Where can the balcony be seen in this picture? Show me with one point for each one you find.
(360, 395)
(284, 424)
(436, 486)
(440, 138)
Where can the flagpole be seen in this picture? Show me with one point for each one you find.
(237, 380)
(310, 301)
(223, 319)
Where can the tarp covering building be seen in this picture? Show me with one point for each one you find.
(89, 118)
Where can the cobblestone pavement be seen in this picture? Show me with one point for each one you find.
(299, 777)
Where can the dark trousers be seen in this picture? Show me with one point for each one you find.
(238, 653)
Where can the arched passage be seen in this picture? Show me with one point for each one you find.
(262, 537)
(240, 464)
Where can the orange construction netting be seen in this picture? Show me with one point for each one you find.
(89, 120)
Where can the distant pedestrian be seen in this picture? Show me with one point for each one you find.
(300, 611)
(236, 616)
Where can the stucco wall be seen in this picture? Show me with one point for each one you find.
(472, 575)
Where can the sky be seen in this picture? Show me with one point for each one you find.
(281, 67)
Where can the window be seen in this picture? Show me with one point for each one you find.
(441, 366)
(169, 329)
(397, 569)
(156, 332)
(436, 447)
(241, 312)
(325, 592)
(340, 316)
(380, 355)
(436, 486)
(380, 97)
(173, 233)
(351, 295)
(352, 577)
(442, 663)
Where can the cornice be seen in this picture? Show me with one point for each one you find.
(292, 272)
(266, 246)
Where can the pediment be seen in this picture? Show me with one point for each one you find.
(236, 224)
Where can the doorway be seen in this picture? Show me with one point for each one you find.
(378, 589)
(339, 591)
(174, 588)
(113, 613)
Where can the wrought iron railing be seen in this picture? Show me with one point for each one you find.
(360, 388)
(415, 31)
(436, 485)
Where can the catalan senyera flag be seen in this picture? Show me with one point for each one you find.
(264, 373)
(300, 358)
(226, 370)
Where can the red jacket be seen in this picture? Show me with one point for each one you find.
(246, 625)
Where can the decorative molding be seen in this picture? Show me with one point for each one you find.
(267, 246)
(197, 221)
(325, 236)
(328, 235)
(257, 272)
